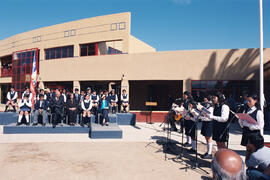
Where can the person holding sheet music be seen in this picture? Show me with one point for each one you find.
(207, 127)
(256, 113)
(190, 124)
(186, 97)
(220, 120)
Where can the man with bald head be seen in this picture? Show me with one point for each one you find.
(57, 106)
(228, 165)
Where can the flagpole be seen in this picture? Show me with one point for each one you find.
(261, 56)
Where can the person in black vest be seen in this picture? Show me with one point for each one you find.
(88, 91)
(72, 107)
(12, 96)
(124, 99)
(95, 100)
(86, 106)
(57, 106)
(207, 127)
(41, 91)
(113, 101)
(25, 105)
(186, 98)
(41, 107)
(256, 113)
(190, 124)
(220, 120)
(28, 93)
(76, 95)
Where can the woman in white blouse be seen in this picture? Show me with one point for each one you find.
(255, 112)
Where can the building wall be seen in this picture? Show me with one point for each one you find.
(96, 29)
(241, 64)
(138, 46)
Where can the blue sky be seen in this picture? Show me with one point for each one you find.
(164, 24)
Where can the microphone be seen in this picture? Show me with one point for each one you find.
(240, 105)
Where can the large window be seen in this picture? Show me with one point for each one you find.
(229, 88)
(89, 49)
(60, 52)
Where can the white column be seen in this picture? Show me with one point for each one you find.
(261, 56)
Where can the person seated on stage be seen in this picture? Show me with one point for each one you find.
(257, 157)
(124, 99)
(12, 96)
(113, 101)
(220, 120)
(41, 91)
(76, 95)
(28, 93)
(41, 107)
(25, 105)
(255, 112)
(94, 99)
(64, 94)
(104, 107)
(57, 106)
(228, 165)
(72, 107)
(88, 91)
(86, 106)
(191, 126)
(207, 127)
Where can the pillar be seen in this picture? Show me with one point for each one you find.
(187, 85)
(124, 84)
(41, 85)
(110, 86)
(76, 50)
(76, 84)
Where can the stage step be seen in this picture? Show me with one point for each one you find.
(112, 131)
(39, 129)
(8, 118)
(126, 119)
(112, 118)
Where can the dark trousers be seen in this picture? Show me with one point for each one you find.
(72, 116)
(57, 116)
(104, 113)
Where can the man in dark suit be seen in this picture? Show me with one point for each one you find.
(41, 107)
(57, 106)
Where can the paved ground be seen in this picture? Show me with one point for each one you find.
(141, 154)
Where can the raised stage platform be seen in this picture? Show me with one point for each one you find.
(95, 131)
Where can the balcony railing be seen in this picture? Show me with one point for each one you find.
(6, 72)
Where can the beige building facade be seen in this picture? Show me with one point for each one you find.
(101, 53)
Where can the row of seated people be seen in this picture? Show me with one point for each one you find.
(71, 105)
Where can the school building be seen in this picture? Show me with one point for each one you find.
(101, 53)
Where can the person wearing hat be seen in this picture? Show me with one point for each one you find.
(12, 96)
(25, 105)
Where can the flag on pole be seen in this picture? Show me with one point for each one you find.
(33, 81)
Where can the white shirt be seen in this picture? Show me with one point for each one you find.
(30, 95)
(260, 121)
(225, 112)
(14, 97)
(90, 105)
(124, 99)
(23, 102)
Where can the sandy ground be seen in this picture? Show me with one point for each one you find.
(98, 160)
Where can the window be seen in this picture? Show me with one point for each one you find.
(89, 49)
(60, 52)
